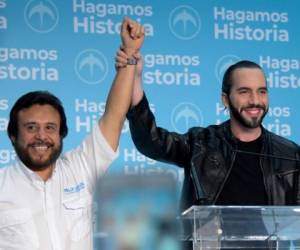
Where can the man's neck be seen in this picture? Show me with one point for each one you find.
(243, 133)
(46, 173)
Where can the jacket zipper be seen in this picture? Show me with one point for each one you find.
(228, 173)
(196, 183)
(265, 184)
(263, 173)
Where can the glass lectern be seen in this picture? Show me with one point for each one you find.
(241, 227)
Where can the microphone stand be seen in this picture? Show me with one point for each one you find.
(274, 235)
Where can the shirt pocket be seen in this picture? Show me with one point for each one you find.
(17, 229)
(77, 212)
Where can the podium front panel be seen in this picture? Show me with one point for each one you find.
(241, 227)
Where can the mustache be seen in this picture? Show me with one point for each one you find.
(41, 143)
(258, 106)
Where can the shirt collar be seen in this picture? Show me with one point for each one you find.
(31, 175)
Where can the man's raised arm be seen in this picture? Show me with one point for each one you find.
(119, 97)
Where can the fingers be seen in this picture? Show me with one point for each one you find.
(122, 54)
(132, 35)
(124, 26)
(121, 59)
(134, 29)
(137, 55)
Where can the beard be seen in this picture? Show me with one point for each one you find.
(253, 122)
(38, 165)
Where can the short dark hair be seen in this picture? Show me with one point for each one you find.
(30, 99)
(227, 78)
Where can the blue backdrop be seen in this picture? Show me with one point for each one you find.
(68, 48)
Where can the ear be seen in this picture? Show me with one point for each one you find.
(225, 100)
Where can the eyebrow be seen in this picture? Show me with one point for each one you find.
(34, 123)
(29, 123)
(247, 88)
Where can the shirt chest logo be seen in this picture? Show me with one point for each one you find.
(74, 189)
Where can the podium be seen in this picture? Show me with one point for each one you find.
(241, 227)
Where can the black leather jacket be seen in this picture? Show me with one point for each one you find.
(207, 155)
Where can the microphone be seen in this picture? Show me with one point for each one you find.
(262, 155)
(266, 155)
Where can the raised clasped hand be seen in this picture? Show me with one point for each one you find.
(132, 34)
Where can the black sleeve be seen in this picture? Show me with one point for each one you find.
(155, 142)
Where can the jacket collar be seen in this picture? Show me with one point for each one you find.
(232, 139)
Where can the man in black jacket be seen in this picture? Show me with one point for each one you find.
(235, 163)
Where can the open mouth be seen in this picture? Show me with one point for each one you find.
(41, 148)
(253, 111)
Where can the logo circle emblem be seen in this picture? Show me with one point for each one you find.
(186, 115)
(41, 15)
(223, 64)
(91, 66)
(184, 22)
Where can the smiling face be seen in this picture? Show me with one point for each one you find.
(38, 142)
(248, 100)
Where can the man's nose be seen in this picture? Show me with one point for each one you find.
(254, 99)
(41, 133)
